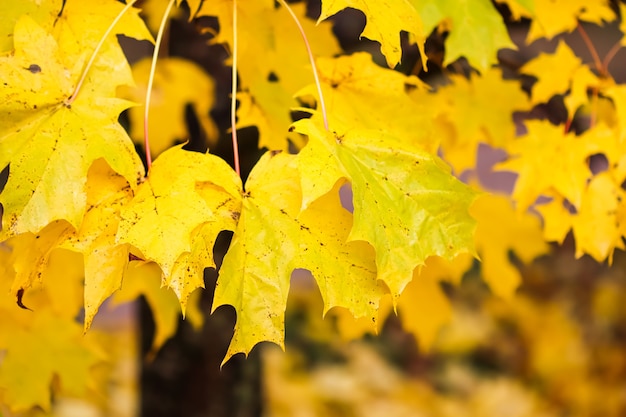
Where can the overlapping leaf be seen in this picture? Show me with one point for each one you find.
(501, 230)
(406, 203)
(547, 145)
(269, 80)
(476, 28)
(177, 213)
(397, 104)
(49, 143)
(177, 83)
(385, 20)
(552, 17)
(272, 239)
(461, 107)
(27, 371)
(550, 83)
(105, 260)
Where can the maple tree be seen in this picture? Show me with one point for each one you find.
(77, 196)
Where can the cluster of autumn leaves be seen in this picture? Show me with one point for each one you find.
(77, 193)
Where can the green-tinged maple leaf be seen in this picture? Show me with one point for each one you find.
(177, 83)
(397, 104)
(384, 21)
(552, 17)
(501, 230)
(187, 199)
(273, 238)
(272, 62)
(144, 279)
(545, 145)
(48, 144)
(27, 371)
(407, 204)
(462, 106)
(476, 28)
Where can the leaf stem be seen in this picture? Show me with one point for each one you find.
(83, 76)
(155, 55)
(312, 60)
(611, 54)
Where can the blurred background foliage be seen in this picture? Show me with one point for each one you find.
(556, 349)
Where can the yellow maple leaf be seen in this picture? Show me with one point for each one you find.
(273, 238)
(552, 17)
(582, 80)
(500, 230)
(407, 204)
(424, 309)
(27, 370)
(177, 83)
(550, 82)
(596, 224)
(50, 144)
(520, 8)
(30, 253)
(397, 104)
(270, 79)
(557, 220)
(463, 18)
(104, 259)
(462, 106)
(351, 328)
(187, 199)
(384, 21)
(153, 10)
(546, 145)
(39, 11)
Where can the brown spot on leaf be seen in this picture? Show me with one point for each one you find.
(20, 295)
(34, 68)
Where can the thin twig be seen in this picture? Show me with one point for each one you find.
(592, 49)
(611, 54)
